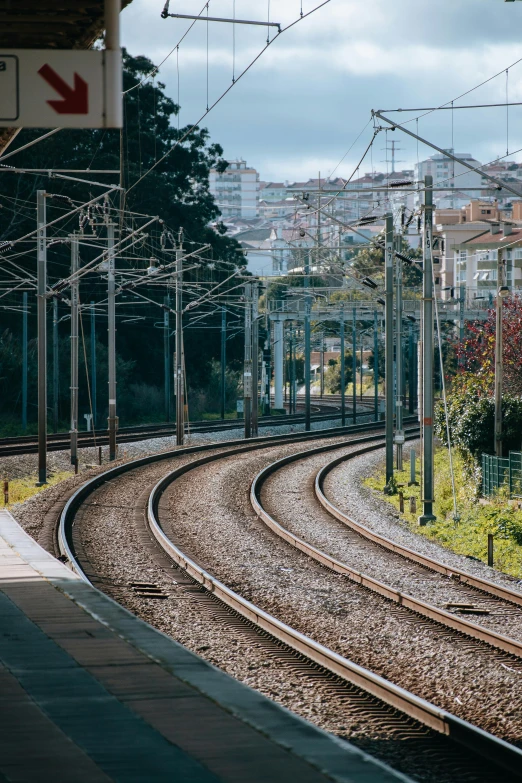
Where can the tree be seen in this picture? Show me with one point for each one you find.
(332, 376)
(477, 354)
(369, 262)
(162, 177)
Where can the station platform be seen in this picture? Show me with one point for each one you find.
(90, 693)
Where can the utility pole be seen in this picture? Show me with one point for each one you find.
(247, 366)
(223, 359)
(291, 367)
(179, 375)
(499, 369)
(399, 430)
(55, 364)
(24, 360)
(42, 334)
(294, 368)
(74, 352)
(93, 368)
(321, 367)
(166, 355)
(354, 366)
(375, 366)
(255, 360)
(361, 354)
(111, 298)
(307, 315)
(411, 371)
(279, 348)
(462, 300)
(427, 355)
(388, 336)
(343, 371)
(268, 368)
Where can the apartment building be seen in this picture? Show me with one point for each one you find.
(476, 259)
(236, 190)
(451, 174)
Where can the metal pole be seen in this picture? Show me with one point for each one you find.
(223, 359)
(166, 355)
(268, 369)
(361, 370)
(93, 368)
(411, 371)
(499, 370)
(55, 365)
(343, 371)
(354, 366)
(388, 336)
(113, 76)
(247, 367)
(24, 360)
(462, 300)
(179, 375)
(111, 295)
(255, 360)
(289, 367)
(42, 335)
(427, 343)
(73, 432)
(399, 431)
(307, 314)
(294, 368)
(375, 366)
(321, 367)
(278, 365)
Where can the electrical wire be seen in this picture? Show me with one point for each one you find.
(223, 94)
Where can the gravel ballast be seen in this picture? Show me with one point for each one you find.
(344, 486)
(211, 518)
(288, 495)
(210, 512)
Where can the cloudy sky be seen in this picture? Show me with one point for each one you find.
(303, 104)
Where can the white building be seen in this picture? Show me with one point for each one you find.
(236, 190)
(476, 261)
(451, 174)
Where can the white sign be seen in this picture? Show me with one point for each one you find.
(42, 88)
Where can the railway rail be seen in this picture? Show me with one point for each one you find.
(411, 707)
(28, 444)
(425, 609)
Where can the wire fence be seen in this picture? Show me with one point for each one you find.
(502, 473)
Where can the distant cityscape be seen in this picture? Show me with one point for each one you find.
(276, 222)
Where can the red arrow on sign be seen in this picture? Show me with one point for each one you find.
(75, 101)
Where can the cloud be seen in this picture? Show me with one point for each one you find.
(302, 104)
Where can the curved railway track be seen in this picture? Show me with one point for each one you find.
(411, 716)
(322, 410)
(498, 598)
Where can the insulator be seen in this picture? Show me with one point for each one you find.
(60, 197)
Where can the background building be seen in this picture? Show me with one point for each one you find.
(447, 172)
(236, 189)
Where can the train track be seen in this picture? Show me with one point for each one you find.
(28, 444)
(498, 598)
(415, 716)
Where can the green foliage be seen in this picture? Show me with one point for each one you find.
(176, 188)
(370, 262)
(469, 534)
(471, 416)
(207, 397)
(332, 376)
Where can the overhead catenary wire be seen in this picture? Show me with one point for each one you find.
(225, 92)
